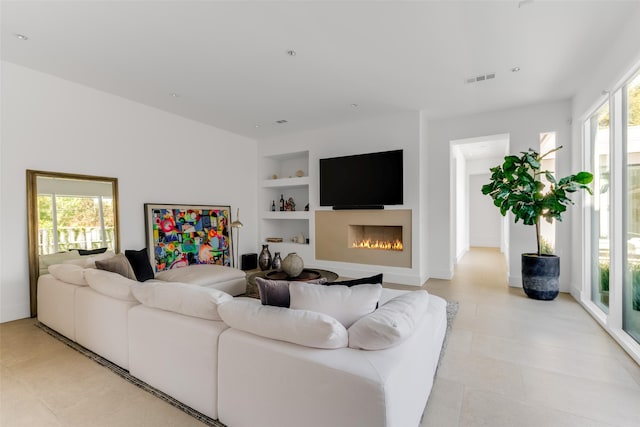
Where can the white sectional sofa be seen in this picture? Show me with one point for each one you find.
(271, 367)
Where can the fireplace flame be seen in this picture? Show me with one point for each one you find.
(389, 245)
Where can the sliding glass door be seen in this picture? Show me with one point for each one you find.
(631, 138)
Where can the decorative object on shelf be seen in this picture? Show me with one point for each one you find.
(274, 176)
(292, 264)
(299, 173)
(264, 260)
(236, 225)
(281, 203)
(290, 205)
(273, 206)
(277, 262)
(300, 238)
(306, 207)
(274, 239)
(180, 235)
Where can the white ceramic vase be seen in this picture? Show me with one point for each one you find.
(292, 264)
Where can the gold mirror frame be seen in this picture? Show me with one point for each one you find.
(32, 223)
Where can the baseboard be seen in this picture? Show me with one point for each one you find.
(441, 274)
(515, 281)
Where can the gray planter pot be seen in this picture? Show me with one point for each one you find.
(540, 276)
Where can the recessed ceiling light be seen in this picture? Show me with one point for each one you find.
(291, 52)
(21, 37)
(174, 95)
(281, 122)
(256, 126)
(354, 105)
(515, 69)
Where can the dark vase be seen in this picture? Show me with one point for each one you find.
(264, 260)
(540, 276)
(277, 262)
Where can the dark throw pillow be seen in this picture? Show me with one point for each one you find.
(117, 264)
(363, 281)
(91, 251)
(139, 261)
(276, 292)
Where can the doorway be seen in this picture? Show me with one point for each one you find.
(476, 222)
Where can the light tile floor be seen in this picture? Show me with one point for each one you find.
(510, 361)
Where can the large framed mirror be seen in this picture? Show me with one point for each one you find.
(68, 212)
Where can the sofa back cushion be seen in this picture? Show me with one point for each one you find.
(344, 303)
(46, 260)
(110, 284)
(190, 300)
(390, 324)
(300, 327)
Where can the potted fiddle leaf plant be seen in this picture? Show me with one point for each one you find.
(516, 186)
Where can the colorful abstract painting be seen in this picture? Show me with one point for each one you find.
(181, 235)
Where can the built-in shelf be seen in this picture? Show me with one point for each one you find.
(286, 215)
(286, 182)
(285, 224)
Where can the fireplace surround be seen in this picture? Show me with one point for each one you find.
(377, 237)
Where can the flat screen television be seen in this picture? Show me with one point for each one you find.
(366, 181)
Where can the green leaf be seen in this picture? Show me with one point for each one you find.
(583, 177)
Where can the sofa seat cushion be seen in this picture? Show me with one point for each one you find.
(303, 327)
(190, 300)
(201, 274)
(390, 324)
(344, 303)
(69, 273)
(111, 284)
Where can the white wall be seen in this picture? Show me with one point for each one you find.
(485, 220)
(399, 131)
(524, 126)
(55, 125)
(461, 206)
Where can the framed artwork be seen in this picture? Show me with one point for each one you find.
(181, 235)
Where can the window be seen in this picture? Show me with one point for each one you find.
(548, 229)
(597, 130)
(631, 139)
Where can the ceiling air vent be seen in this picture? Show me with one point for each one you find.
(480, 78)
(280, 122)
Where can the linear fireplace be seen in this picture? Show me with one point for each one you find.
(382, 237)
(377, 237)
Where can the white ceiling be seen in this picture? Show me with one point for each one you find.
(227, 61)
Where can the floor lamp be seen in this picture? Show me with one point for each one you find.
(236, 242)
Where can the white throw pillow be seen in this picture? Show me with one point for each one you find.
(301, 327)
(344, 303)
(89, 261)
(390, 324)
(191, 300)
(68, 273)
(111, 284)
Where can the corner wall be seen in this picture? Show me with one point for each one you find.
(524, 126)
(55, 125)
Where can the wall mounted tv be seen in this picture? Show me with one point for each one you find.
(364, 181)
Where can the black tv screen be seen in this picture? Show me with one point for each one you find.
(364, 180)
